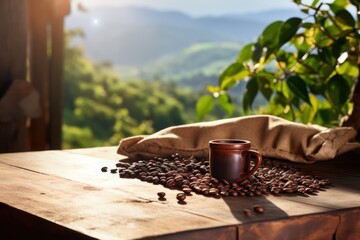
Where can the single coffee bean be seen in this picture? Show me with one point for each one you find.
(233, 193)
(187, 190)
(149, 178)
(156, 180)
(181, 197)
(289, 190)
(178, 178)
(246, 212)
(104, 169)
(259, 209)
(205, 191)
(161, 194)
(123, 164)
(170, 183)
(114, 170)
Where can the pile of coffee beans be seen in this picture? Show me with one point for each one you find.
(191, 175)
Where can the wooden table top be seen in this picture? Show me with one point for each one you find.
(64, 194)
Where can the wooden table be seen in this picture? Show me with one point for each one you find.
(64, 195)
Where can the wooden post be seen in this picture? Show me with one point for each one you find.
(46, 64)
(38, 23)
(60, 8)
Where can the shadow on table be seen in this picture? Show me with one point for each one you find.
(250, 209)
(343, 173)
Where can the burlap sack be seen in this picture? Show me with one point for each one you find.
(274, 137)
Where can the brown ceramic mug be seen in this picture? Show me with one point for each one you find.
(230, 159)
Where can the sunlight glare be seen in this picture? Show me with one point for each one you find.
(95, 21)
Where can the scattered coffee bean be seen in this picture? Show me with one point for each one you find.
(104, 169)
(259, 209)
(187, 190)
(180, 197)
(190, 174)
(161, 194)
(246, 212)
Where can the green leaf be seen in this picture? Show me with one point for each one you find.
(257, 52)
(250, 93)
(307, 25)
(232, 75)
(245, 53)
(325, 55)
(288, 30)
(277, 104)
(338, 5)
(355, 1)
(302, 46)
(269, 37)
(338, 47)
(337, 91)
(265, 84)
(309, 66)
(348, 69)
(225, 103)
(324, 117)
(287, 59)
(315, 2)
(212, 89)
(204, 105)
(308, 112)
(285, 91)
(298, 86)
(345, 18)
(330, 29)
(326, 70)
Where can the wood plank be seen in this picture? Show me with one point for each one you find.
(309, 227)
(98, 152)
(223, 233)
(349, 224)
(103, 213)
(17, 224)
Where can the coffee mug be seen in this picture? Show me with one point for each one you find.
(230, 159)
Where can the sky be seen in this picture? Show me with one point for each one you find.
(198, 8)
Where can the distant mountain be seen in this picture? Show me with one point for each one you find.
(199, 59)
(267, 16)
(135, 36)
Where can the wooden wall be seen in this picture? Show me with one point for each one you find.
(31, 51)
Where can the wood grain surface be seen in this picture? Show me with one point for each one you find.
(64, 193)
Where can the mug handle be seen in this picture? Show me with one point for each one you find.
(257, 164)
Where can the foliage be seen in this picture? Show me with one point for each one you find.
(304, 67)
(100, 109)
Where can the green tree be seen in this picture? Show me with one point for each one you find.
(306, 68)
(100, 109)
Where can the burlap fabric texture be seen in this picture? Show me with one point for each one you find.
(274, 137)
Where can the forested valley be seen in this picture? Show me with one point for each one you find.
(100, 108)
